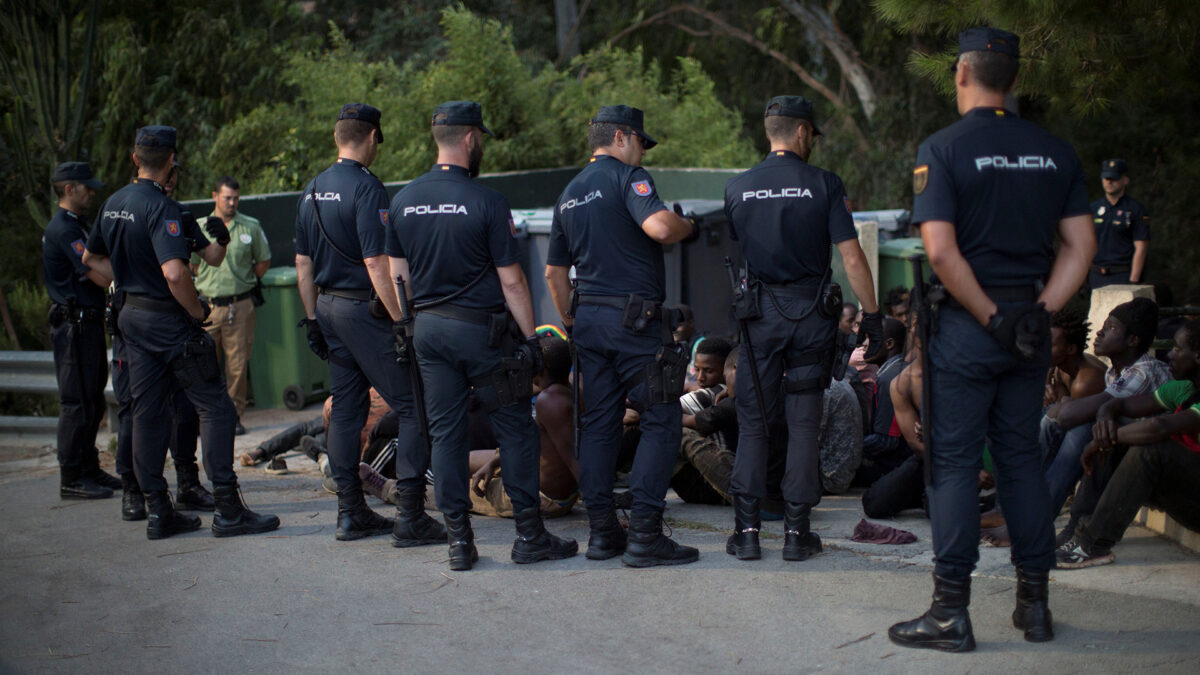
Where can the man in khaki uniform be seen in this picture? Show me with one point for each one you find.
(229, 288)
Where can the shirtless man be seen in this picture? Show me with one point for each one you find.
(903, 487)
(1073, 373)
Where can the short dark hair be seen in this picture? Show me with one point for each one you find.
(60, 187)
(849, 306)
(600, 134)
(1074, 327)
(895, 330)
(229, 182)
(780, 128)
(992, 70)
(714, 347)
(352, 132)
(1192, 326)
(556, 352)
(450, 133)
(731, 361)
(152, 158)
(896, 296)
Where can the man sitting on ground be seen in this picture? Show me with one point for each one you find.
(903, 487)
(709, 441)
(883, 448)
(1161, 464)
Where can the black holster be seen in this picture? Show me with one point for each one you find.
(843, 349)
(197, 362)
(573, 303)
(830, 304)
(375, 306)
(746, 293)
(112, 312)
(639, 312)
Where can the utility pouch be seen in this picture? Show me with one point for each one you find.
(112, 312)
(745, 299)
(573, 306)
(510, 383)
(197, 363)
(843, 349)
(376, 308)
(665, 375)
(638, 312)
(830, 306)
(497, 329)
(56, 316)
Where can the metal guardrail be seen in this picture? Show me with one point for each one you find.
(33, 372)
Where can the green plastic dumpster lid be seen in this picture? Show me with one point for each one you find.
(904, 248)
(280, 276)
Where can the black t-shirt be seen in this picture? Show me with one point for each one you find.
(63, 245)
(597, 228)
(1005, 184)
(786, 213)
(354, 209)
(450, 228)
(140, 229)
(885, 411)
(1117, 227)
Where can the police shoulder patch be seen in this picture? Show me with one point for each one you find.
(173, 228)
(642, 187)
(512, 227)
(920, 178)
(383, 217)
(77, 246)
(846, 201)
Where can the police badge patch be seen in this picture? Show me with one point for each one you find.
(512, 227)
(920, 178)
(77, 246)
(383, 216)
(642, 187)
(173, 228)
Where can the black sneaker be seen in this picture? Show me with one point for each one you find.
(276, 466)
(1074, 555)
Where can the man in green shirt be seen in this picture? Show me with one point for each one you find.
(1156, 459)
(229, 289)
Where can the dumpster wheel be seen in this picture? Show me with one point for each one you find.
(293, 397)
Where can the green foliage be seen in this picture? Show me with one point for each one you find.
(28, 305)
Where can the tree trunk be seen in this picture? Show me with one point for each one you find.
(566, 18)
(821, 23)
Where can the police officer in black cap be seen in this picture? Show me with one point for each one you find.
(786, 213)
(77, 331)
(991, 192)
(345, 281)
(1122, 231)
(454, 240)
(611, 225)
(140, 233)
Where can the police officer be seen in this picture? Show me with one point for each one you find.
(991, 191)
(455, 240)
(611, 225)
(77, 331)
(786, 213)
(1122, 230)
(140, 233)
(342, 269)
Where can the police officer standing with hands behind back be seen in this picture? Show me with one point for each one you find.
(345, 283)
(991, 191)
(786, 213)
(453, 240)
(611, 225)
(141, 234)
(1122, 231)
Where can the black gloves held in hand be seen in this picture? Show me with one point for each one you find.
(871, 329)
(1022, 329)
(691, 220)
(215, 227)
(316, 339)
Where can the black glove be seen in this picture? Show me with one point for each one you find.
(530, 351)
(569, 330)
(1022, 329)
(188, 221)
(692, 221)
(217, 230)
(871, 328)
(207, 309)
(316, 339)
(400, 342)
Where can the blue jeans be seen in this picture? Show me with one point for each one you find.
(1061, 452)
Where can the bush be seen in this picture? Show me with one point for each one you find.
(28, 305)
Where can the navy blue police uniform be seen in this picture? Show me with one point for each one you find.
(77, 334)
(1005, 184)
(352, 205)
(1118, 226)
(597, 228)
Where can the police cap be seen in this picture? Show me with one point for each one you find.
(988, 39)
(1112, 168)
(626, 116)
(76, 172)
(460, 114)
(156, 136)
(792, 106)
(362, 112)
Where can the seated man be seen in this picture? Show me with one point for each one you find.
(710, 436)
(883, 448)
(1124, 339)
(1073, 373)
(1161, 464)
(709, 366)
(847, 324)
(903, 487)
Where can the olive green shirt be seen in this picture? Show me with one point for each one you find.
(247, 246)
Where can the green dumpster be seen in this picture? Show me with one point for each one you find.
(283, 371)
(895, 266)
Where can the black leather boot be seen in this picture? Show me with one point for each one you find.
(799, 542)
(649, 547)
(946, 626)
(413, 526)
(463, 553)
(534, 543)
(355, 519)
(231, 516)
(607, 538)
(1033, 607)
(91, 469)
(133, 502)
(190, 495)
(164, 520)
(743, 543)
(74, 485)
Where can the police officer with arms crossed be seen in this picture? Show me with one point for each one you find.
(344, 278)
(610, 224)
(786, 213)
(140, 233)
(77, 331)
(991, 191)
(1122, 230)
(455, 238)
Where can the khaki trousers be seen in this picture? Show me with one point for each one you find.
(232, 330)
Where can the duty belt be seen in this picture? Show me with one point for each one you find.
(227, 300)
(1110, 269)
(1000, 294)
(363, 294)
(479, 316)
(793, 290)
(79, 313)
(608, 301)
(152, 304)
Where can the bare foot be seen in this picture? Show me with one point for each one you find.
(996, 536)
(991, 519)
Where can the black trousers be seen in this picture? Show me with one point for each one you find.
(80, 362)
(1163, 475)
